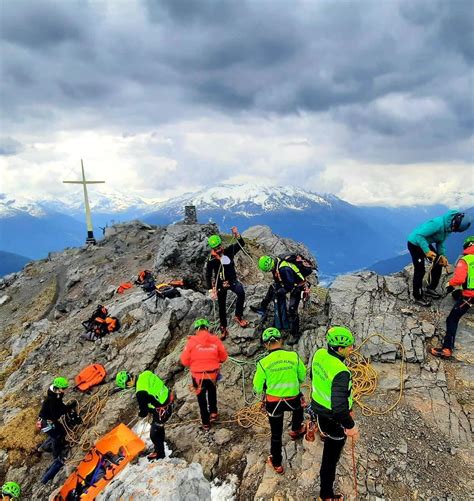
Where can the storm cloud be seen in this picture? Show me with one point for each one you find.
(228, 87)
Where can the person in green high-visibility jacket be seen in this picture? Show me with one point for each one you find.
(153, 398)
(279, 375)
(331, 403)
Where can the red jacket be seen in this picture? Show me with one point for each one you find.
(460, 273)
(204, 353)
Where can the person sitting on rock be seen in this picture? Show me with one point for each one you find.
(463, 276)
(221, 277)
(52, 409)
(280, 375)
(427, 241)
(11, 491)
(331, 403)
(287, 278)
(203, 354)
(153, 398)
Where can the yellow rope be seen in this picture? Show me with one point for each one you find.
(364, 377)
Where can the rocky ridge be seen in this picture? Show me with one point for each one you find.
(420, 450)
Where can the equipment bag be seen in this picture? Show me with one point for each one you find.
(90, 376)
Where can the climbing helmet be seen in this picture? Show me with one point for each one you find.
(271, 334)
(61, 382)
(214, 241)
(201, 322)
(122, 378)
(11, 489)
(468, 242)
(266, 263)
(338, 336)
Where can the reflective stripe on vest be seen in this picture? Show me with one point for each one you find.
(469, 260)
(281, 373)
(293, 267)
(324, 369)
(153, 385)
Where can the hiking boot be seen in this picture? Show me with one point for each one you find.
(224, 333)
(311, 430)
(214, 417)
(258, 310)
(242, 322)
(441, 352)
(422, 302)
(295, 435)
(336, 497)
(279, 469)
(432, 294)
(154, 456)
(206, 427)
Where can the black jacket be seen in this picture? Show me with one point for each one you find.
(226, 271)
(53, 407)
(288, 279)
(339, 398)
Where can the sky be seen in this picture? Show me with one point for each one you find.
(369, 100)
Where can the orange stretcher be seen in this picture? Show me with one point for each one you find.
(101, 464)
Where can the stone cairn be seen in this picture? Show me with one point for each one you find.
(190, 214)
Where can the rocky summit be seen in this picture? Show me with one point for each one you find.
(416, 427)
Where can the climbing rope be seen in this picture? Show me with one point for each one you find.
(90, 412)
(364, 377)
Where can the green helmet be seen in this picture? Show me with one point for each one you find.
(214, 241)
(122, 378)
(266, 263)
(61, 382)
(468, 242)
(11, 489)
(338, 336)
(271, 334)
(201, 322)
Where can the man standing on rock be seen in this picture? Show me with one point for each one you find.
(427, 241)
(203, 354)
(331, 402)
(287, 278)
(221, 277)
(463, 276)
(153, 398)
(280, 375)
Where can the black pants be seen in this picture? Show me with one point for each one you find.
(279, 293)
(207, 399)
(58, 439)
(237, 288)
(461, 306)
(157, 430)
(333, 444)
(418, 258)
(276, 413)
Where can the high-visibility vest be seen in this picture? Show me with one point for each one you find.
(281, 373)
(153, 385)
(293, 267)
(469, 259)
(324, 369)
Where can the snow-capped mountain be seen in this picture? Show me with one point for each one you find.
(342, 236)
(245, 200)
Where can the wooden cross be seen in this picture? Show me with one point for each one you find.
(90, 233)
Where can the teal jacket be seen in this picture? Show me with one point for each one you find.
(433, 231)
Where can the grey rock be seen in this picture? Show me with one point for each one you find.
(167, 480)
(222, 436)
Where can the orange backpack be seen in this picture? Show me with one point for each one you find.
(91, 376)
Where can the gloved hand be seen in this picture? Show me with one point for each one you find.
(213, 294)
(235, 231)
(449, 289)
(430, 255)
(443, 261)
(352, 432)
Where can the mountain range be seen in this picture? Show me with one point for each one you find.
(343, 237)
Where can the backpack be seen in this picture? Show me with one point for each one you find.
(99, 314)
(167, 291)
(146, 280)
(99, 327)
(305, 265)
(90, 376)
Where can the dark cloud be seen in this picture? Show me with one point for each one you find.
(137, 65)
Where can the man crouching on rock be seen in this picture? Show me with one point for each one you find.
(331, 402)
(153, 398)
